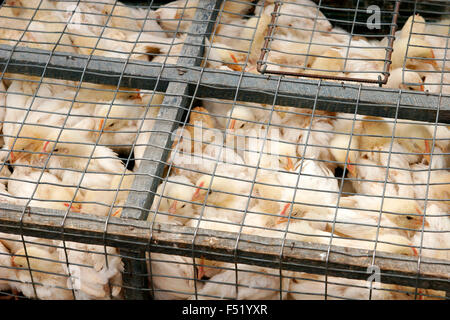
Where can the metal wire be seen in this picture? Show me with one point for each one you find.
(254, 186)
(330, 58)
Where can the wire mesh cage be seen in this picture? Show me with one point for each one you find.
(145, 155)
(302, 41)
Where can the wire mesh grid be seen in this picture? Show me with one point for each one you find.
(302, 41)
(281, 172)
(253, 187)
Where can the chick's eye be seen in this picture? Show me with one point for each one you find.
(409, 218)
(183, 206)
(210, 191)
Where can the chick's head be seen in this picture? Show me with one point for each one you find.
(38, 259)
(240, 117)
(29, 144)
(215, 189)
(179, 196)
(403, 212)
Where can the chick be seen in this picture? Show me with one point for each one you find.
(117, 123)
(42, 189)
(96, 271)
(90, 163)
(405, 79)
(172, 277)
(101, 202)
(344, 150)
(256, 29)
(434, 240)
(153, 103)
(220, 54)
(253, 282)
(436, 33)
(229, 194)
(28, 144)
(172, 201)
(312, 287)
(7, 272)
(299, 19)
(411, 50)
(241, 118)
(47, 274)
(416, 138)
(330, 63)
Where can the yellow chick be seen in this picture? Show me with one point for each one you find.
(412, 47)
(415, 138)
(344, 150)
(405, 79)
(255, 31)
(330, 63)
(47, 274)
(28, 144)
(172, 201)
(220, 54)
(99, 202)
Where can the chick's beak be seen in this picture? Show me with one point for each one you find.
(117, 213)
(137, 96)
(423, 221)
(12, 157)
(12, 262)
(44, 149)
(236, 66)
(433, 60)
(290, 164)
(351, 168)
(419, 211)
(99, 128)
(422, 218)
(232, 124)
(196, 195)
(283, 213)
(201, 269)
(173, 207)
(75, 207)
(427, 153)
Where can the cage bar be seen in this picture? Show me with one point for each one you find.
(192, 79)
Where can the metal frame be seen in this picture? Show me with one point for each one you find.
(218, 245)
(135, 237)
(335, 97)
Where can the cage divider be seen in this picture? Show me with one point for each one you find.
(176, 101)
(137, 235)
(336, 97)
(134, 238)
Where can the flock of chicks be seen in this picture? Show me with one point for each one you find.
(249, 187)
(251, 190)
(304, 41)
(61, 142)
